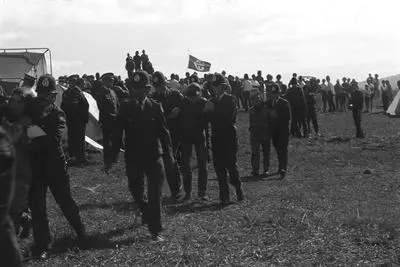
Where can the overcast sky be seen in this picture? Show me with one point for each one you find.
(311, 37)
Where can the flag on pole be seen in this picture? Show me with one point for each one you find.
(198, 65)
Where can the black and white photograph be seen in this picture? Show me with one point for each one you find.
(199, 133)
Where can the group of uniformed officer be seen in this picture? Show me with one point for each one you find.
(160, 130)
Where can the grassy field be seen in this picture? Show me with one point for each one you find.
(339, 205)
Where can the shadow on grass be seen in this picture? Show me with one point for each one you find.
(193, 207)
(122, 206)
(95, 241)
(252, 179)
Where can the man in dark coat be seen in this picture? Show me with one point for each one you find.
(298, 107)
(222, 111)
(147, 148)
(108, 105)
(138, 61)
(193, 124)
(278, 120)
(258, 127)
(76, 108)
(357, 105)
(310, 91)
(49, 168)
(10, 254)
(171, 101)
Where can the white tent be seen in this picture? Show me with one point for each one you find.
(394, 107)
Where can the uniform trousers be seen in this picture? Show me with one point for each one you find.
(280, 140)
(258, 140)
(224, 151)
(137, 166)
(201, 154)
(76, 140)
(49, 171)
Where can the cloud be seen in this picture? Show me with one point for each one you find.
(11, 36)
(66, 66)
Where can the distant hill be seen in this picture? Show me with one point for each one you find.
(392, 80)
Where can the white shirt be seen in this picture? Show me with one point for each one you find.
(247, 86)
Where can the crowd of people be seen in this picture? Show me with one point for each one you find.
(157, 122)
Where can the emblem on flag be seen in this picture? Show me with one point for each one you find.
(198, 65)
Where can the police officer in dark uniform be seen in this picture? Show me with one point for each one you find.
(108, 105)
(148, 148)
(76, 108)
(357, 105)
(222, 112)
(193, 124)
(171, 101)
(49, 168)
(258, 127)
(10, 254)
(278, 120)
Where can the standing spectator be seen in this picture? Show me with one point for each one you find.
(338, 89)
(298, 107)
(346, 93)
(108, 105)
(357, 102)
(324, 92)
(368, 92)
(310, 91)
(247, 87)
(258, 127)
(375, 83)
(147, 148)
(49, 169)
(130, 65)
(222, 112)
(268, 83)
(76, 108)
(255, 90)
(138, 61)
(278, 120)
(10, 254)
(237, 91)
(331, 94)
(385, 95)
(174, 83)
(282, 86)
(260, 81)
(193, 123)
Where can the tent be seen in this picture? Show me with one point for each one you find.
(394, 107)
(15, 62)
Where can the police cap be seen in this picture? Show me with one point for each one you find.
(73, 77)
(107, 76)
(139, 79)
(46, 85)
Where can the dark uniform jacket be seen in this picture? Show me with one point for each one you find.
(75, 105)
(279, 115)
(146, 132)
(258, 121)
(192, 120)
(297, 100)
(223, 117)
(52, 121)
(169, 100)
(357, 99)
(108, 105)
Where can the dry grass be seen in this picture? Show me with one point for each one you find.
(329, 211)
